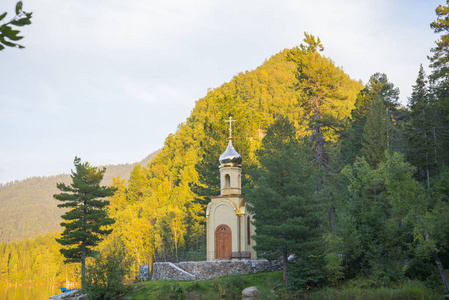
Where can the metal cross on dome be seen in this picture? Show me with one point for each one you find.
(230, 126)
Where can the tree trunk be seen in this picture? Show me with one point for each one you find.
(435, 146)
(83, 266)
(319, 150)
(437, 261)
(441, 269)
(427, 160)
(284, 261)
(331, 213)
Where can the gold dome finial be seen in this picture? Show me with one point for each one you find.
(230, 126)
(230, 157)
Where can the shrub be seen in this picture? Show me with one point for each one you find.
(105, 275)
(230, 287)
(419, 269)
(171, 290)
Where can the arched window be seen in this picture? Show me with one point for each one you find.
(249, 231)
(228, 180)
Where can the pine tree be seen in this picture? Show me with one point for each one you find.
(320, 83)
(85, 221)
(379, 87)
(377, 134)
(422, 147)
(321, 87)
(440, 83)
(285, 211)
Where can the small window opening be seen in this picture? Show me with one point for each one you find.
(228, 181)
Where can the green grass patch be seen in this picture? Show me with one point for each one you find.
(270, 285)
(228, 287)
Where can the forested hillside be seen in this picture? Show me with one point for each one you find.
(163, 206)
(27, 207)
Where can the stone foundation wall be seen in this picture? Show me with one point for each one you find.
(200, 270)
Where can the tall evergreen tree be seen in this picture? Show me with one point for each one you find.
(379, 87)
(376, 133)
(440, 83)
(321, 87)
(320, 83)
(422, 147)
(85, 221)
(286, 213)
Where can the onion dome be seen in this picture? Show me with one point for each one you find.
(230, 156)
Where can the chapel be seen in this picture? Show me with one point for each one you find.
(229, 227)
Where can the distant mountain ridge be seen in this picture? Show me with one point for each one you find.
(27, 207)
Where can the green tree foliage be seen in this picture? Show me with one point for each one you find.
(387, 218)
(286, 214)
(376, 133)
(378, 87)
(321, 87)
(422, 147)
(323, 95)
(86, 220)
(368, 228)
(107, 272)
(9, 36)
(440, 84)
(412, 204)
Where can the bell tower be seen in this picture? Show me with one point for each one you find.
(230, 171)
(229, 226)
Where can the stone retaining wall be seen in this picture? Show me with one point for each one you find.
(200, 270)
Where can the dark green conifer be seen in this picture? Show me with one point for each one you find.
(286, 213)
(85, 221)
(377, 87)
(421, 141)
(439, 83)
(376, 133)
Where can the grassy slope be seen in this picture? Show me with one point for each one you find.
(230, 287)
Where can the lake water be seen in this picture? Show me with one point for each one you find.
(28, 292)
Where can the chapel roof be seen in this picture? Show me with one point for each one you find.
(230, 156)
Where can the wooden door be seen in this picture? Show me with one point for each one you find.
(223, 242)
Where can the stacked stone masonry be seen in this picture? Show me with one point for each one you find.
(201, 270)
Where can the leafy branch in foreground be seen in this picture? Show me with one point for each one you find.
(8, 36)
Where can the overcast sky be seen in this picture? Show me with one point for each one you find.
(108, 80)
